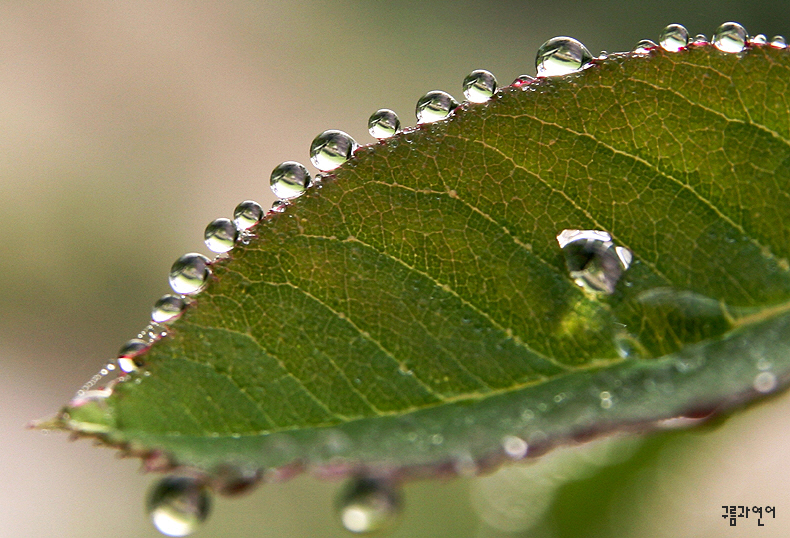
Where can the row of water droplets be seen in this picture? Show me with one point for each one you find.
(178, 504)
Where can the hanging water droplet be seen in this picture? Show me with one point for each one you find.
(369, 504)
(644, 47)
(778, 42)
(178, 505)
(700, 39)
(383, 123)
(247, 214)
(330, 149)
(675, 37)
(189, 273)
(759, 39)
(523, 80)
(167, 308)
(278, 206)
(130, 355)
(594, 262)
(434, 106)
(560, 56)
(764, 382)
(730, 37)
(289, 180)
(220, 235)
(479, 86)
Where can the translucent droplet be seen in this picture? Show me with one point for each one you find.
(289, 180)
(759, 39)
(178, 505)
(674, 38)
(778, 42)
(130, 355)
(479, 86)
(278, 206)
(167, 308)
(523, 80)
(220, 235)
(644, 47)
(330, 149)
(189, 273)
(368, 505)
(606, 400)
(730, 37)
(383, 123)
(515, 447)
(560, 56)
(593, 260)
(764, 382)
(700, 39)
(434, 106)
(247, 214)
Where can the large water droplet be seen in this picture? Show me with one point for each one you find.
(560, 56)
(434, 106)
(674, 38)
(289, 180)
(730, 37)
(130, 355)
(368, 505)
(383, 123)
(778, 42)
(178, 505)
(247, 214)
(189, 273)
(644, 47)
(167, 308)
(765, 382)
(593, 260)
(330, 149)
(479, 86)
(220, 235)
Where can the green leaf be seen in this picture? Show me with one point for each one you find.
(414, 309)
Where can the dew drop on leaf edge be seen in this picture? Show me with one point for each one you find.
(730, 37)
(331, 148)
(593, 260)
(129, 355)
(220, 235)
(383, 123)
(369, 504)
(560, 56)
(674, 38)
(167, 308)
(247, 214)
(289, 179)
(189, 273)
(479, 86)
(434, 106)
(178, 505)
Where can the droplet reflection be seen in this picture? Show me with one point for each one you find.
(330, 149)
(369, 504)
(178, 505)
(593, 260)
(560, 56)
(730, 37)
(434, 106)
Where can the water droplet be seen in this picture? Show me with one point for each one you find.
(434, 106)
(479, 86)
(167, 308)
(764, 382)
(759, 39)
(289, 180)
(700, 39)
(369, 504)
(330, 149)
(644, 47)
(594, 262)
(220, 235)
(189, 273)
(130, 355)
(674, 38)
(279, 206)
(730, 37)
(85, 397)
(523, 80)
(247, 214)
(560, 56)
(778, 42)
(606, 400)
(178, 505)
(515, 447)
(383, 123)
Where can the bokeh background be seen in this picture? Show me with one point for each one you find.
(127, 126)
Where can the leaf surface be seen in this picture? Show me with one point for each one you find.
(414, 309)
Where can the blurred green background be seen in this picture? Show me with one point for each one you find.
(127, 126)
